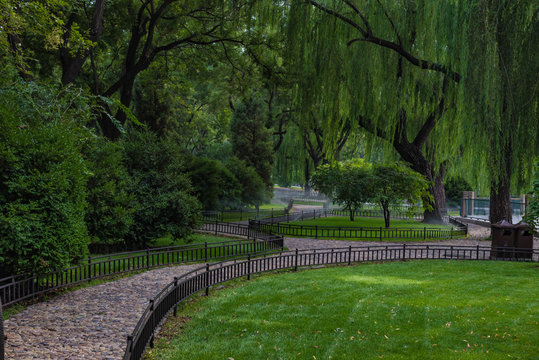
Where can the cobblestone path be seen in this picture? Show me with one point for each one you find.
(93, 322)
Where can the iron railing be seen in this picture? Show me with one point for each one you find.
(241, 214)
(211, 274)
(359, 232)
(319, 213)
(2, 339)
(20, 287)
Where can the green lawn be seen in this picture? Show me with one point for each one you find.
(405, 310)
(367, 222)
(364, 229)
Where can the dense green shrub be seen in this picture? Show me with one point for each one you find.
(253, 189)
(251, 140)
(42, 182)
(165, 204)
(454, 186)
(214, 185)
(109, 214)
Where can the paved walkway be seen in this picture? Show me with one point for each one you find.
(93, 322)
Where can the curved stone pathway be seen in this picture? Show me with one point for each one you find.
(93, 322)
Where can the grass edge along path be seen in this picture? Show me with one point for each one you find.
(414, 309)
(365, 229)
(119, 272)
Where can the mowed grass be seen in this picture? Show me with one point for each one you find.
(364, 228)
(367, 222)
(406, 310)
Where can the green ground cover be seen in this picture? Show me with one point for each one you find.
(367, 222)
(118, 266)
(305, 228)
(405, 310)
(308, 202)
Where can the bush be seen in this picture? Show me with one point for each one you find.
(454, 187)
(254, 191)
(165, 205)
(42, 183)
(214, 185)
(109, 215)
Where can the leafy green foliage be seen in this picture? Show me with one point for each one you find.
(346, 183)
(454, 186)
(214, 185)
(253, 190)
(353, 183)
(395, 184)
(251, 141)
(42, 183)
(532, 212)
(165, 204)
(111, 206)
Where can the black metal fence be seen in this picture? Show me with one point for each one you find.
(19, 287)
(241, 214)
(1, 333)
(319, 213)
(352, 232)
(211, 274)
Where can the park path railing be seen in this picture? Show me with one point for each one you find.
(1, 333)
(212, 274)
(20, 287)
(359, 232)
(319, 213)
(241, 215)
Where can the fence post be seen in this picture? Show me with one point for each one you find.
(207, 279)
(89, 268)
(477, 253)
(451, 233)
(380, 233)
(205, 251)
(175, 296)
(129, 343)
(466, 234)
(148, 258)
(349, 254)
(216, 222)
(316, 231)
(424, 233)
(404, 251)
(153, 320)
(249, 267)
(296, 261)
(1, 333)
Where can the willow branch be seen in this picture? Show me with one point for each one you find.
(399, 49)
(433, 117)
(391, 22)
(339, 16)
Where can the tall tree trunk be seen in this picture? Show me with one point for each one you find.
(500, 191)
(437, 190)
(72, 63)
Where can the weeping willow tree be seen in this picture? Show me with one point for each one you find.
(387, 67)
(499, 98)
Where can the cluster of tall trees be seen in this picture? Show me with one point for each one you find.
(216, 101)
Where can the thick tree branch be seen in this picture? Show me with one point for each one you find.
(398, 48)
(433, 117)
(339, 16)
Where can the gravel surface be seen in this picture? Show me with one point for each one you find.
(93, 322)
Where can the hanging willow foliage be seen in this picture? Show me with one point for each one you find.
(487, 46)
